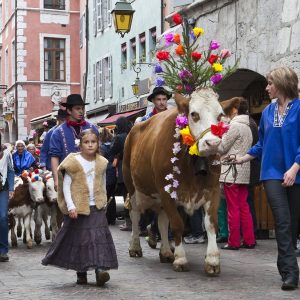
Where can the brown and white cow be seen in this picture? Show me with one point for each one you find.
(146, 162)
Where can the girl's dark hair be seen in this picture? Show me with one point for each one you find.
(122, 125)
(243, 107)
(105, 136)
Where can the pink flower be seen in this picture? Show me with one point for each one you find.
(215, 79)
(181, 121)
(169, 37)
(214, 45)
(225, 53)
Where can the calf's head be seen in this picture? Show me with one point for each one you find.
(51, 193)
(36, 189)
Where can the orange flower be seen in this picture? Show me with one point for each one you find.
(187, 138)
(176, 38)
(180, 50)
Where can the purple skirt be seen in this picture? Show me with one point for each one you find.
(82, 244)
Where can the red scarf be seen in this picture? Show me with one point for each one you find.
(76, 124)
(154, 111)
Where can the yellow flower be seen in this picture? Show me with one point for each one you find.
(198, 31)
(217, 67)
(194, 150)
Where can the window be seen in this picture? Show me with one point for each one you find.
(102, 79)
(54, 59)
(152, 42)
(142, 39)
(6, 67)
(132, 51)
(124, 56)
(102, 15)
(55, 4)
(13, 61)
(82, 30)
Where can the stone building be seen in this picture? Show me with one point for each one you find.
(39, 61)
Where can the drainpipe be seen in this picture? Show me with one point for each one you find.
(162, 25)
(86, 48)
(16, 75)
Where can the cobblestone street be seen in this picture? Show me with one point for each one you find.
(245, 274)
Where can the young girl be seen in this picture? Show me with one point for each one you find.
(84, 242)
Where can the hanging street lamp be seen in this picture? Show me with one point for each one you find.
(122, 15)
(135, 87)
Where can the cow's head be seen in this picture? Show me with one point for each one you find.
(203, 110)
(51, 193)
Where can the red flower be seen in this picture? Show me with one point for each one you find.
(196, 56)
(162, 55)
(36, 171)
(179, 88)
(212, 58)
(177, 19)
(219, 129)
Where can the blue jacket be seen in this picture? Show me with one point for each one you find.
(23, 162)
(111, 176)
(62, 141)
(45, 158)
(278, 147)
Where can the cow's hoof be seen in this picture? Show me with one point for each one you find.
(166, 258)
(29, 244)
(181, 268)
(37, 240)
(47, 235)
(136, 253)
(212, 270)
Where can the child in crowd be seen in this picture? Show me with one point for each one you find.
(84, 242)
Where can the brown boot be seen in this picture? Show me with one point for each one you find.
(102, 277)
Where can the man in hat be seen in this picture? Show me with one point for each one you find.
(159, 98)
(45, 158)
(65, 138)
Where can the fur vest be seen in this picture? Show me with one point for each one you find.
(79, 186)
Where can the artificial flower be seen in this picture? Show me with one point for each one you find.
(175, 183)
(196, 56)
(219, 129)
(185, 74)
(198, 31)
(189, 88)
(192, 35)
(168, 39)
(225, 53)
(179, 87)
(180, 50)
(162, 55)
(176, 148)
(176, 38)
(217, 67)
(159, 81)
(194, 150)
(187, 138)
(181, 121)
(176, 170)
(174, 195)
(173, 159)
(212, 58)
(167, 188)
(177, 19)
(158, 68)
(169, 177)
(214, 45)
(215, 79)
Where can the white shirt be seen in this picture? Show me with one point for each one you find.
(89, 170)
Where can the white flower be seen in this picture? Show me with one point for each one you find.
(177, 133)
(167, 188)
(169, 177)
(176, 170)
(173, 159)
(175, 183)
(176, 148)
(173, 195)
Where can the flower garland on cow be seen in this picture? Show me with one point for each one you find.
(184, 70)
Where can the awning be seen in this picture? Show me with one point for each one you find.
(42, 118)
(96, 119)
(114, 118)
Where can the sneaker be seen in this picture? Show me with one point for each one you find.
(4, 257)
(194, 240)
(102, 277)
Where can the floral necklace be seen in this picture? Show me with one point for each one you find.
(182, 130)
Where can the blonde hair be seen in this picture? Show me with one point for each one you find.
(285, 80)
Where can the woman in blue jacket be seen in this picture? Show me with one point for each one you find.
(278, 149)
(6, 192)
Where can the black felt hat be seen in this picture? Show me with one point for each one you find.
(72, 100)
(159, 91)
(61, 114)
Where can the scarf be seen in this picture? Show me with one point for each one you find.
(75, 124)
(154, 111)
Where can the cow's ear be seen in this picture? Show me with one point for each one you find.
(182, 104)
(229, 105)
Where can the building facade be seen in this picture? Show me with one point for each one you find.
(111, 58)
(39, 61)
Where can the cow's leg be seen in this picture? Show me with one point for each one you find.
(53, 221)
(180, 263)
(38, 224)
(212, 259)
(165, 254)
(135, 249)
(45, 211)
(13, 237)
(27, 221)
(19, 228)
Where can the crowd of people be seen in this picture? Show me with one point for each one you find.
(87, 169)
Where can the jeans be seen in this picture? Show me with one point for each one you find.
(3, 222)
(285, 206)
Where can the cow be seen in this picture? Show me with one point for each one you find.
(20, 206)
(146, 162)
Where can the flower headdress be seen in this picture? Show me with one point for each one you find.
(189, 68)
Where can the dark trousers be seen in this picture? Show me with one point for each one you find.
(285, 206)
(122, 191)
(250, 201)
(111, 208)
(196, 222)
(3, 222)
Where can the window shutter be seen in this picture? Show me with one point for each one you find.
(110, 81)
(94, 83)
(109, 19)
(99, 16)
(95, 17)
(101, 81)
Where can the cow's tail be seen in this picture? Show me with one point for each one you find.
(126, 165)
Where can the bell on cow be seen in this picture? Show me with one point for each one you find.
(200, 165)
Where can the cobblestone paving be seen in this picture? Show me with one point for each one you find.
(245, 274)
